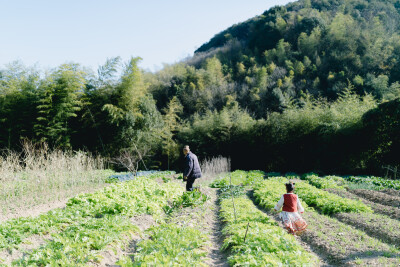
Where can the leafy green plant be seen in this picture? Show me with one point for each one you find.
(170, 245)
(335, 182)
(239, 178)
(140, 196)
(266, 243)
(268, 193)
(187, 199)
(373, 182)
(229, 191)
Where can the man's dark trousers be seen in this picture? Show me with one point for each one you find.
(189, 183)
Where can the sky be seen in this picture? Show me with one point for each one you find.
(49, 33)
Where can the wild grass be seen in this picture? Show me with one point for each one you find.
(38, 175)
(214, 168)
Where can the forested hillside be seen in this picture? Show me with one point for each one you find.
(312, 85)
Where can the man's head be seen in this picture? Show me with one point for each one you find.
(186, 150)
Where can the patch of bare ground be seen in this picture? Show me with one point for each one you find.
(344, 245)
(113, 253)
(389, 211)
(376, 225)
(378, 197)
(36, 210)
(205, 219)
(391, 192)
(33, 211)
(29, 244)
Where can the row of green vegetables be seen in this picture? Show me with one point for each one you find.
(331, 181)
(238, 177)
(254, 239)
(89, 223)
(169, 245)
(268, 193)
(341, 183)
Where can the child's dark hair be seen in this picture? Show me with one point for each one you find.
(289, 187)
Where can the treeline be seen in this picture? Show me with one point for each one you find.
(72, 108)
(312, 85)
(353, 134)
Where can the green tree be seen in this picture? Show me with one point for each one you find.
(60, 100)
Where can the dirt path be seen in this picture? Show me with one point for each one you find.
(215, 256)
(205, 218)
(390, 211)
(33, 211)
(378, 197)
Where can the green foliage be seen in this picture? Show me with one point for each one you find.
(79, 243)
(231, 191)
(327, 202)
(187, 199)
(266, 243)
(376, 183)
(238, 177)
(60, 100)
(269, 192)
(335, 182)
(140, 196)
(170, 245)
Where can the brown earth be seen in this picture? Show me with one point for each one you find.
(390, 211)
(378, 226)
(378, 197)
(344, 245)
(33, 211)
(392, 192)
(29, 244)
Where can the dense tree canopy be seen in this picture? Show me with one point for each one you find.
(313, 85)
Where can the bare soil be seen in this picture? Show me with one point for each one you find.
(29, 244)
(378, 197)
(378, 226)
(36, 210)
(392, 192)
(33, 211)
(392, 212)
(344, 245)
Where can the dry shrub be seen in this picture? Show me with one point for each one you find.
(214, 167)
(38, 175)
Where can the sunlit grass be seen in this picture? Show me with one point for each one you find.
(39, 176)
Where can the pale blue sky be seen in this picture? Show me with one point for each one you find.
(53, 32)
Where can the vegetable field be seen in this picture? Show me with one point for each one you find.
(151, 221)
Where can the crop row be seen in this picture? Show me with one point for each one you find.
(90, 221)
(238, 177)
(374, 182)
(326, 182)
(269, 191)
(169, 245)
(263, 243)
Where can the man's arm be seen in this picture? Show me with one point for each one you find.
(188, 167)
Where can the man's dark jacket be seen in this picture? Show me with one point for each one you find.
(192, 166)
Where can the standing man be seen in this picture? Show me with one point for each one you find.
(192, 168)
